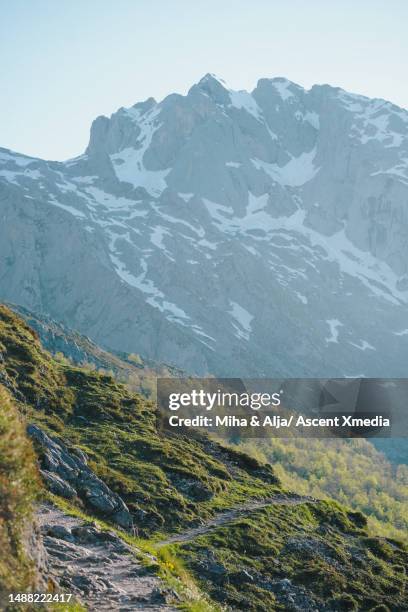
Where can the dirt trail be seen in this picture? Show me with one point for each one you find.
(102, 571)
(97, 567)
(228, 516)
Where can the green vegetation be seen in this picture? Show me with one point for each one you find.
(351, 471)
(322, 549)
(71, 348)
(170, 481)
(303, 552)
(18, 483)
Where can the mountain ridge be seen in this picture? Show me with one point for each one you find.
(290, 203)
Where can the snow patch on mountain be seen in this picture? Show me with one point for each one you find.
(244, 100)
(186, 196)
(403, 332)
(242, 322)
(110, 201)
(15, 158)
(128, 163)
(372, 120)
(156, 297)
(232, 164)
(282, 87)
(301, 297)
(157, 236)
(334, 325)
(363, 346)
(399, 171)
(313, 118)
(85, 179)
(12, 175)
(129, 168)
(70, 209)
(298, 171)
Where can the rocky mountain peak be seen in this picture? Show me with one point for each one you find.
(211, 83)
(210, 227)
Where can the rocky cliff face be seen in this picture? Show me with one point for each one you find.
(257, 233)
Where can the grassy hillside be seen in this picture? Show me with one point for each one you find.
(315, 556)
(69, 346)
(173, 480)
(351, 471)
(268, 558)
(18, 484)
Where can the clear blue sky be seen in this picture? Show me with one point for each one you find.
(63, 62)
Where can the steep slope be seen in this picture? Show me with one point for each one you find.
(258, 548)
(351, 471)
(165, 481)
(299, 557)
(223, 231)
(139, 373)
(22, 557)
(43, 550)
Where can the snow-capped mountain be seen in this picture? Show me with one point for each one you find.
(261, 233)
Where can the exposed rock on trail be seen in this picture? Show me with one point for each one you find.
(97, 567)
(67, 474)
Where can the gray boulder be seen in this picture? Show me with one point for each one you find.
(58, 485)
(67, 474)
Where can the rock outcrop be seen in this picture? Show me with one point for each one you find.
(66, 473)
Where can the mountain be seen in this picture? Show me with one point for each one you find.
(236, 233)
(216, 529)
(140, 374)
(349, 471)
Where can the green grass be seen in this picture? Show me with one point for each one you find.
(351, 471)
(171, 483)
(320, 547)
(18, 485)
(139, 374)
